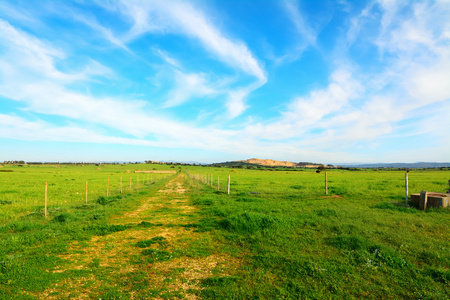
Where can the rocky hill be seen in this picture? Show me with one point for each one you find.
(269, 162)
(277, 163)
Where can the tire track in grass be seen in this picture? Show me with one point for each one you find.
(158, 256)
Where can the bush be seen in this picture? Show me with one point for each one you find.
(102, 200)
(62, 218)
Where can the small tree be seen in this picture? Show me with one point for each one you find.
(321, 168)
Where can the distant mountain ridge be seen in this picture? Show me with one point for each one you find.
(276, 163)
(417, 165)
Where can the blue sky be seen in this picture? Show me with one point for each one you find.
(209, 81)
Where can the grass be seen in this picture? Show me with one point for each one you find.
(277, 235)
(31, 245)
(22, 189)
(299, 243)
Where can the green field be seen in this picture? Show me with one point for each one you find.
(276, 236)
(24, 188)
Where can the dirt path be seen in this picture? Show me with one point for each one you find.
(159, 256)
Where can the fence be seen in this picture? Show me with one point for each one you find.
(395, 185)
(30, 191)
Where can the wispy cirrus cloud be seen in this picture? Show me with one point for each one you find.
(103, 31)
(188, 86)
(308, 35)
(27, 58)
(361, 104)
(182, 18)
(46, 91)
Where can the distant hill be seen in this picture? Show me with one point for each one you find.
(270, 163)
(418, 165)
(255, 162)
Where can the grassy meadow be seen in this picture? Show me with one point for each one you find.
(23, 187)
(291, 240)
(360, 241)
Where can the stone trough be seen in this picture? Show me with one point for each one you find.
(430, 199)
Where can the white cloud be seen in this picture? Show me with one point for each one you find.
(306, 36)
(27, 58)
(301, 24)
(188, 86)
(168, 59)
(105, 32)
(411, 80)
(34, 54)
(320, 103)
(428, 84)
(235, 104)
(177, 16)
(413, 75)
(37, 86)
(18, 128)
(306, 113)
(182, 17)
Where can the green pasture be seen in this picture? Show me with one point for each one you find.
(360, 241)
(372, 185)
(30, 244)
(22, 188)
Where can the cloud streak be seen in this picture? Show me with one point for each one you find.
(181, 17)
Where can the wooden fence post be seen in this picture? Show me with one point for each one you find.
(423, 200)
(406, 188)
(229, 178)
(326, 184)
(86, 191)
(45, 201)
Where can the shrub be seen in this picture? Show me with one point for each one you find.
(102, 200)
(62, 218)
